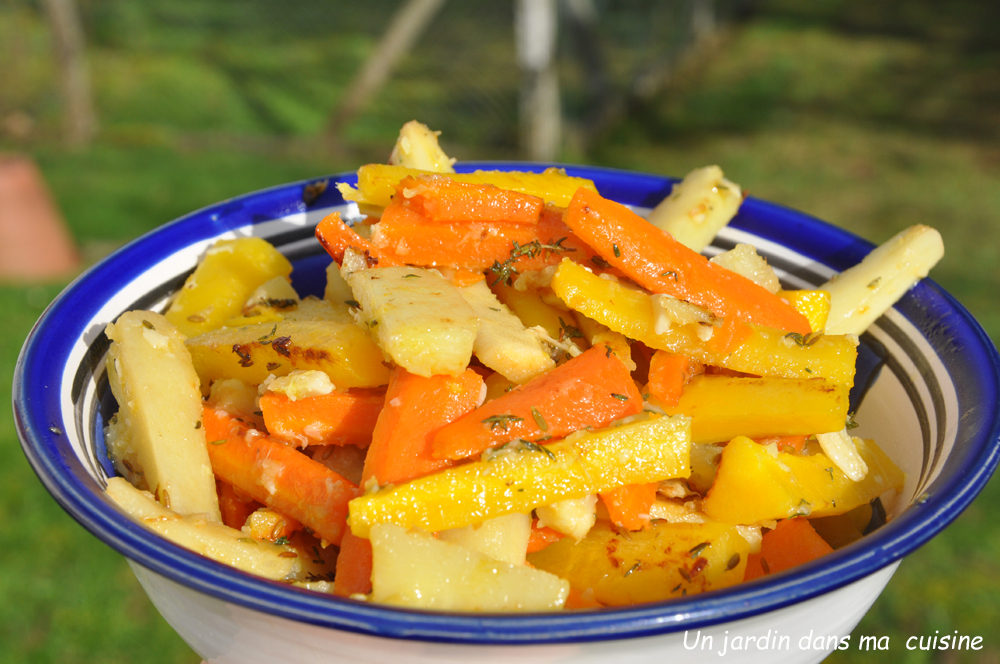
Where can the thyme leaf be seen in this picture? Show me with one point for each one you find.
(502, 421)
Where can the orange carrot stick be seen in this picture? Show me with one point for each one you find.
(279, 476)
(442, 199)
(337, 418)
(354, 566)
(416, 407)
(629, 505)
(592, 389)
(653, 259)
(669, 373)
(337, 237)
(793, 542)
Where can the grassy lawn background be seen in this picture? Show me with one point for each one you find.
(867, 119)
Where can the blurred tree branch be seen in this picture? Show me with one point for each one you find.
(67, 34)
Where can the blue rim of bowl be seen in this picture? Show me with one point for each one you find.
(39, 423)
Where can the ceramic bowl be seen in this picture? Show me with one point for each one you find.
(927, 389)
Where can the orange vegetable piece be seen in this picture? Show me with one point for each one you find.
(628, 506)
(669, 373)
(591, 390)
(541, 537)
(337, 237)
(235, 507)
(354, 567)
(416, 407)
(652, 258)
(337, 418)
(793, 542)
(441, 199)
(278, 476)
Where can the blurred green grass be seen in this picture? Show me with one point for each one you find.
(862, 118)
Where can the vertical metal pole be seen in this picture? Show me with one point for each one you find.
(535, 30)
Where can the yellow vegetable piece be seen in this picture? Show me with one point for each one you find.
(723, 407)
(813, 304)
(520, 477)
(223, 281)
(529, 306)
(766, 352)
(788, 485)
(377, 183)
(667, 560)
(342, 350)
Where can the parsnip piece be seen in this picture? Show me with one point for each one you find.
(744, 260)
(277, 291)
(574, 517)
(214, 540)
(859, 295)
(698, 207)
(842, 450)
(154, 381)
(502, 342)
(418, 319)
(415, 570)
(418, 147)
(337, 290)
(503, 538)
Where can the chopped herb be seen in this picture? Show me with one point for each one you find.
(807, 370)
(373, 322)
(282, 303)
(829, 470)
(675, 588)
(258, 413)
(535, 447)
(733, 562)
(247, 540)
(246, 360)
(218, 442)
(494, 309)
(874, 282)
(271, 366)
(684, 592)
(353, 303)
(669, 273)
(804, 508)
(505, 271)
(56, 430)
(567, 331)
(501, 421)
(698, 548)
(684, 574)
(765, 566)
(618, 253)
(804, 340)
(633, 568)
(269, 334)
(609, 351)
(539, 420)
(411, 276)
(197, 425)
(312, 191)
(850, 423)
(280, 346)
(620, 397)
(600, 262)
(146, 324)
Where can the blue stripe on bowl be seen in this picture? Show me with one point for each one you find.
(52, 418)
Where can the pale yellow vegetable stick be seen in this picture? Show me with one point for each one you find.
(698, 207)
(418, 147)
(418, 318)
(502, 342)
(214, 540)
(416, 570)
(859, 295)
(159, 435)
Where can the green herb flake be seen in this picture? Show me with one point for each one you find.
(146, 324)
(874, 282)
(698, 548)
(567, 331)
(354, 304)
(535, 447)
(618, 253)
(600, 262)
(850, 423)
(684, 574)
(539, 420)
(733, 562)
(502, 421)
(218, 442)
(505, 271)
(411, 276)
(669, 273)
(765, 566)
(281, 541)
(197, 425)
(609, 351)
(804, 340)
(247, 540)
(633, 568)
(620, 397)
